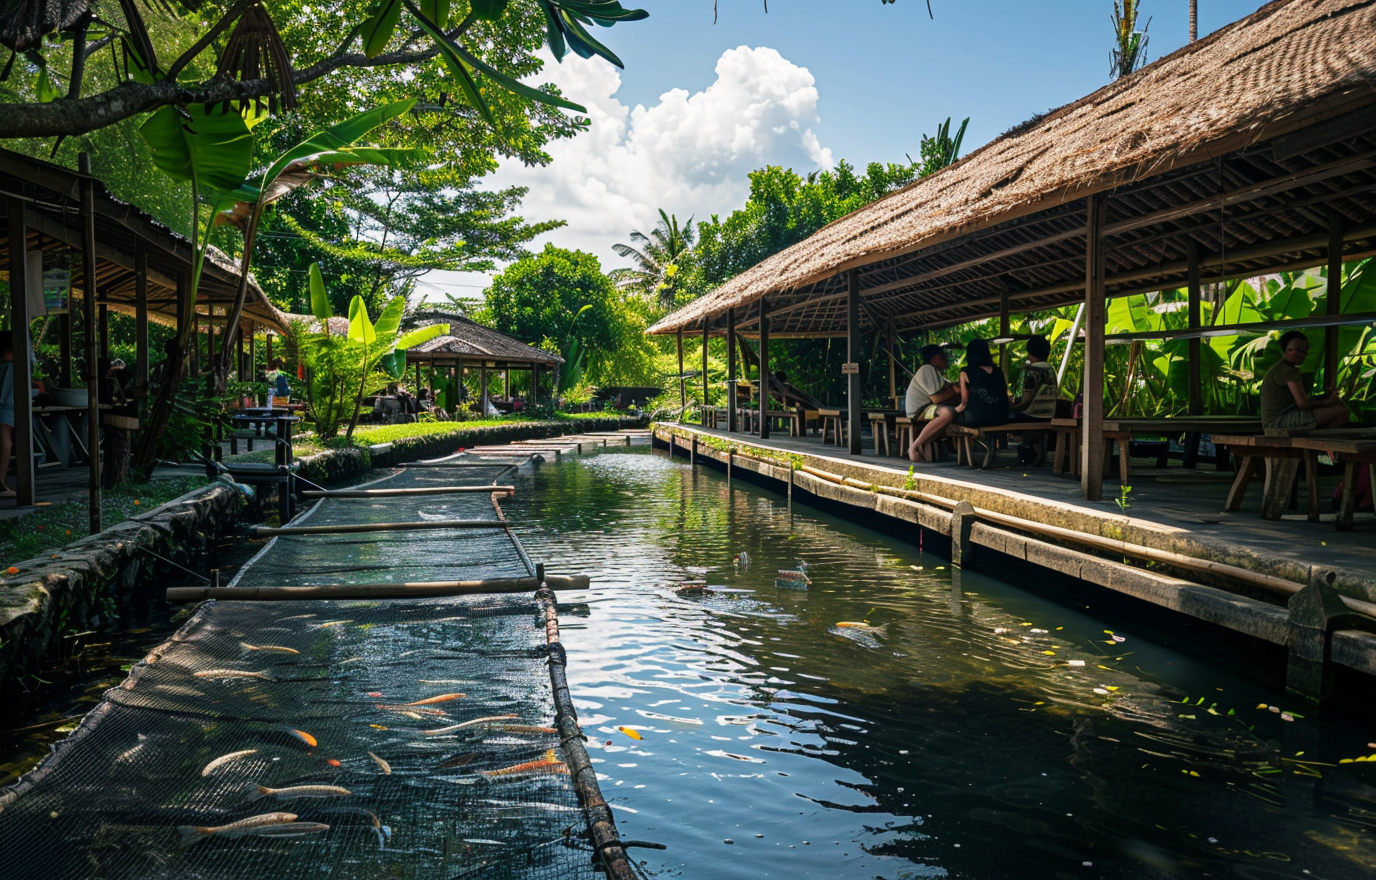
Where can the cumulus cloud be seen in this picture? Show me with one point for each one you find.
(688, 154)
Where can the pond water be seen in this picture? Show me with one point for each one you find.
(966, 727)
(985, 724)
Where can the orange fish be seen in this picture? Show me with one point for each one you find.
(303, 736)
(540, 766)
(442, 698)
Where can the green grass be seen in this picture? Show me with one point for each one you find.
(55, 525)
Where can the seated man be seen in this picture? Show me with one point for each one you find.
(1040, 390)
(1284, 401)
(931, 398)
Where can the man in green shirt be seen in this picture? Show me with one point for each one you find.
(1284, 401)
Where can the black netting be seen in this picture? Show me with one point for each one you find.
(299, 694)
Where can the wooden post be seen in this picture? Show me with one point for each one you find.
(893, 362)
(853, 358)
(506, 383)
(22, 371)
(682, 382)
(1092, 388)
(267, 349)
(1196, 348)
(141, 321)
(103, 330)
(482, 397)
(764, 370)
(731, 422)
(64, 343)
(1331, 355)
(244, 327)
(195, 342)
(251, 371)
(88, 291)
(1005, 328)
(704, 373)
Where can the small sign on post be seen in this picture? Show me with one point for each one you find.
(850, 369)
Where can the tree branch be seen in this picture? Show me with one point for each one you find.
(80, 115)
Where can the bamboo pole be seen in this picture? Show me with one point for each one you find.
(401, 493)
(356, 528)
(1092, 388)
(417, 590)
(452, 464)
(92, 373)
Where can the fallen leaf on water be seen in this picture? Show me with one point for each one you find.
(631, 732)
(377, 726)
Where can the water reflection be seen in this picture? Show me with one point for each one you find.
(898, 719)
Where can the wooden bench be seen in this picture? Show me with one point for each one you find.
(1280, 461)
(832, 425)
(879, 428)
(1355, 454)
(786, 416)
(966, 436)
(1067, 455)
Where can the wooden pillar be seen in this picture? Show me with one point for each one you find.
(893, 361)
(22, 374)
(88, 291)
(705, 420)
(103, 329)
(506, 383)
(252, 373)
(853, 360)
(1335, 300)
(682, 382)
(482, 394)
(1196, 347)
(1005, 329)
(1092, 412)
(64, 343)
(731, 421)
(141, 320)
(764, 370)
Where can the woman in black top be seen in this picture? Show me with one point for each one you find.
(983, 389)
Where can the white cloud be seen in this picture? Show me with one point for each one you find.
(689, 154)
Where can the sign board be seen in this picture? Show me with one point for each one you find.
(850, 369)
(57, 285)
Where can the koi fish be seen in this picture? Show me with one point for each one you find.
(527, 729)
(298, 791)
(193, 833)
(864, 627)
(301, 736)
(231, 673)
(225, 759)
(278, 648)
(413, 711)
(541, 766)
(490, 719)
(442, 698)
(386, 768)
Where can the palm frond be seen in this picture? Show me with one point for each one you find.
(255, 51)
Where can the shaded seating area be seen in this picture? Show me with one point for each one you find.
(75, 254)
(1180, 176)
(471, 348)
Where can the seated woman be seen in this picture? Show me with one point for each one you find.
(1284, 401)
(983, 389)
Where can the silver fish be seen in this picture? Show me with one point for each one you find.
(225, 759)
(298, 791)
(193, 833)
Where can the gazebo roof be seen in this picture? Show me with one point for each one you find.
(468, 340)
(1249, 145)
(52, 196)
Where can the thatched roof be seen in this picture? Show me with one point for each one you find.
(469, 341)
(1240, 144)
(52, 199)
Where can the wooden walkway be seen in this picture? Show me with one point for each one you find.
(1234, 569)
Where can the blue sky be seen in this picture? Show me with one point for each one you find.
(699, 105)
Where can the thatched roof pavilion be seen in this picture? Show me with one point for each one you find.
(1250, 151)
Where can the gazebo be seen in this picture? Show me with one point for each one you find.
(129, 263)
(1248, 152)
(470, 345)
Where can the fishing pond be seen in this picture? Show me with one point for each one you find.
(896, 718)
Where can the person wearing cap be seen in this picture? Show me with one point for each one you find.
(931, 398)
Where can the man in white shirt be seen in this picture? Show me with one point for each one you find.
(928, 399)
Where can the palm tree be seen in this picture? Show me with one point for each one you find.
(657, 261)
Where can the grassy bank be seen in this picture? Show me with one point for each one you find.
(52, 526)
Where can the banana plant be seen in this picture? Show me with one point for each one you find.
(212, 149)
(345, 368)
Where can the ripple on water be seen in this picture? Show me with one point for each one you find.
(975, 731)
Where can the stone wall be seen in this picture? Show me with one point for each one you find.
(86, 584)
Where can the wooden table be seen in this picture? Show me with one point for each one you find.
(1355, 453)
(879, 426)
(280, 420)
(1281, 453)
(1193, 427)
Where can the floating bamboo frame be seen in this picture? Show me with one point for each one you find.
(354, 528)
(401, 493)
(416, 590)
